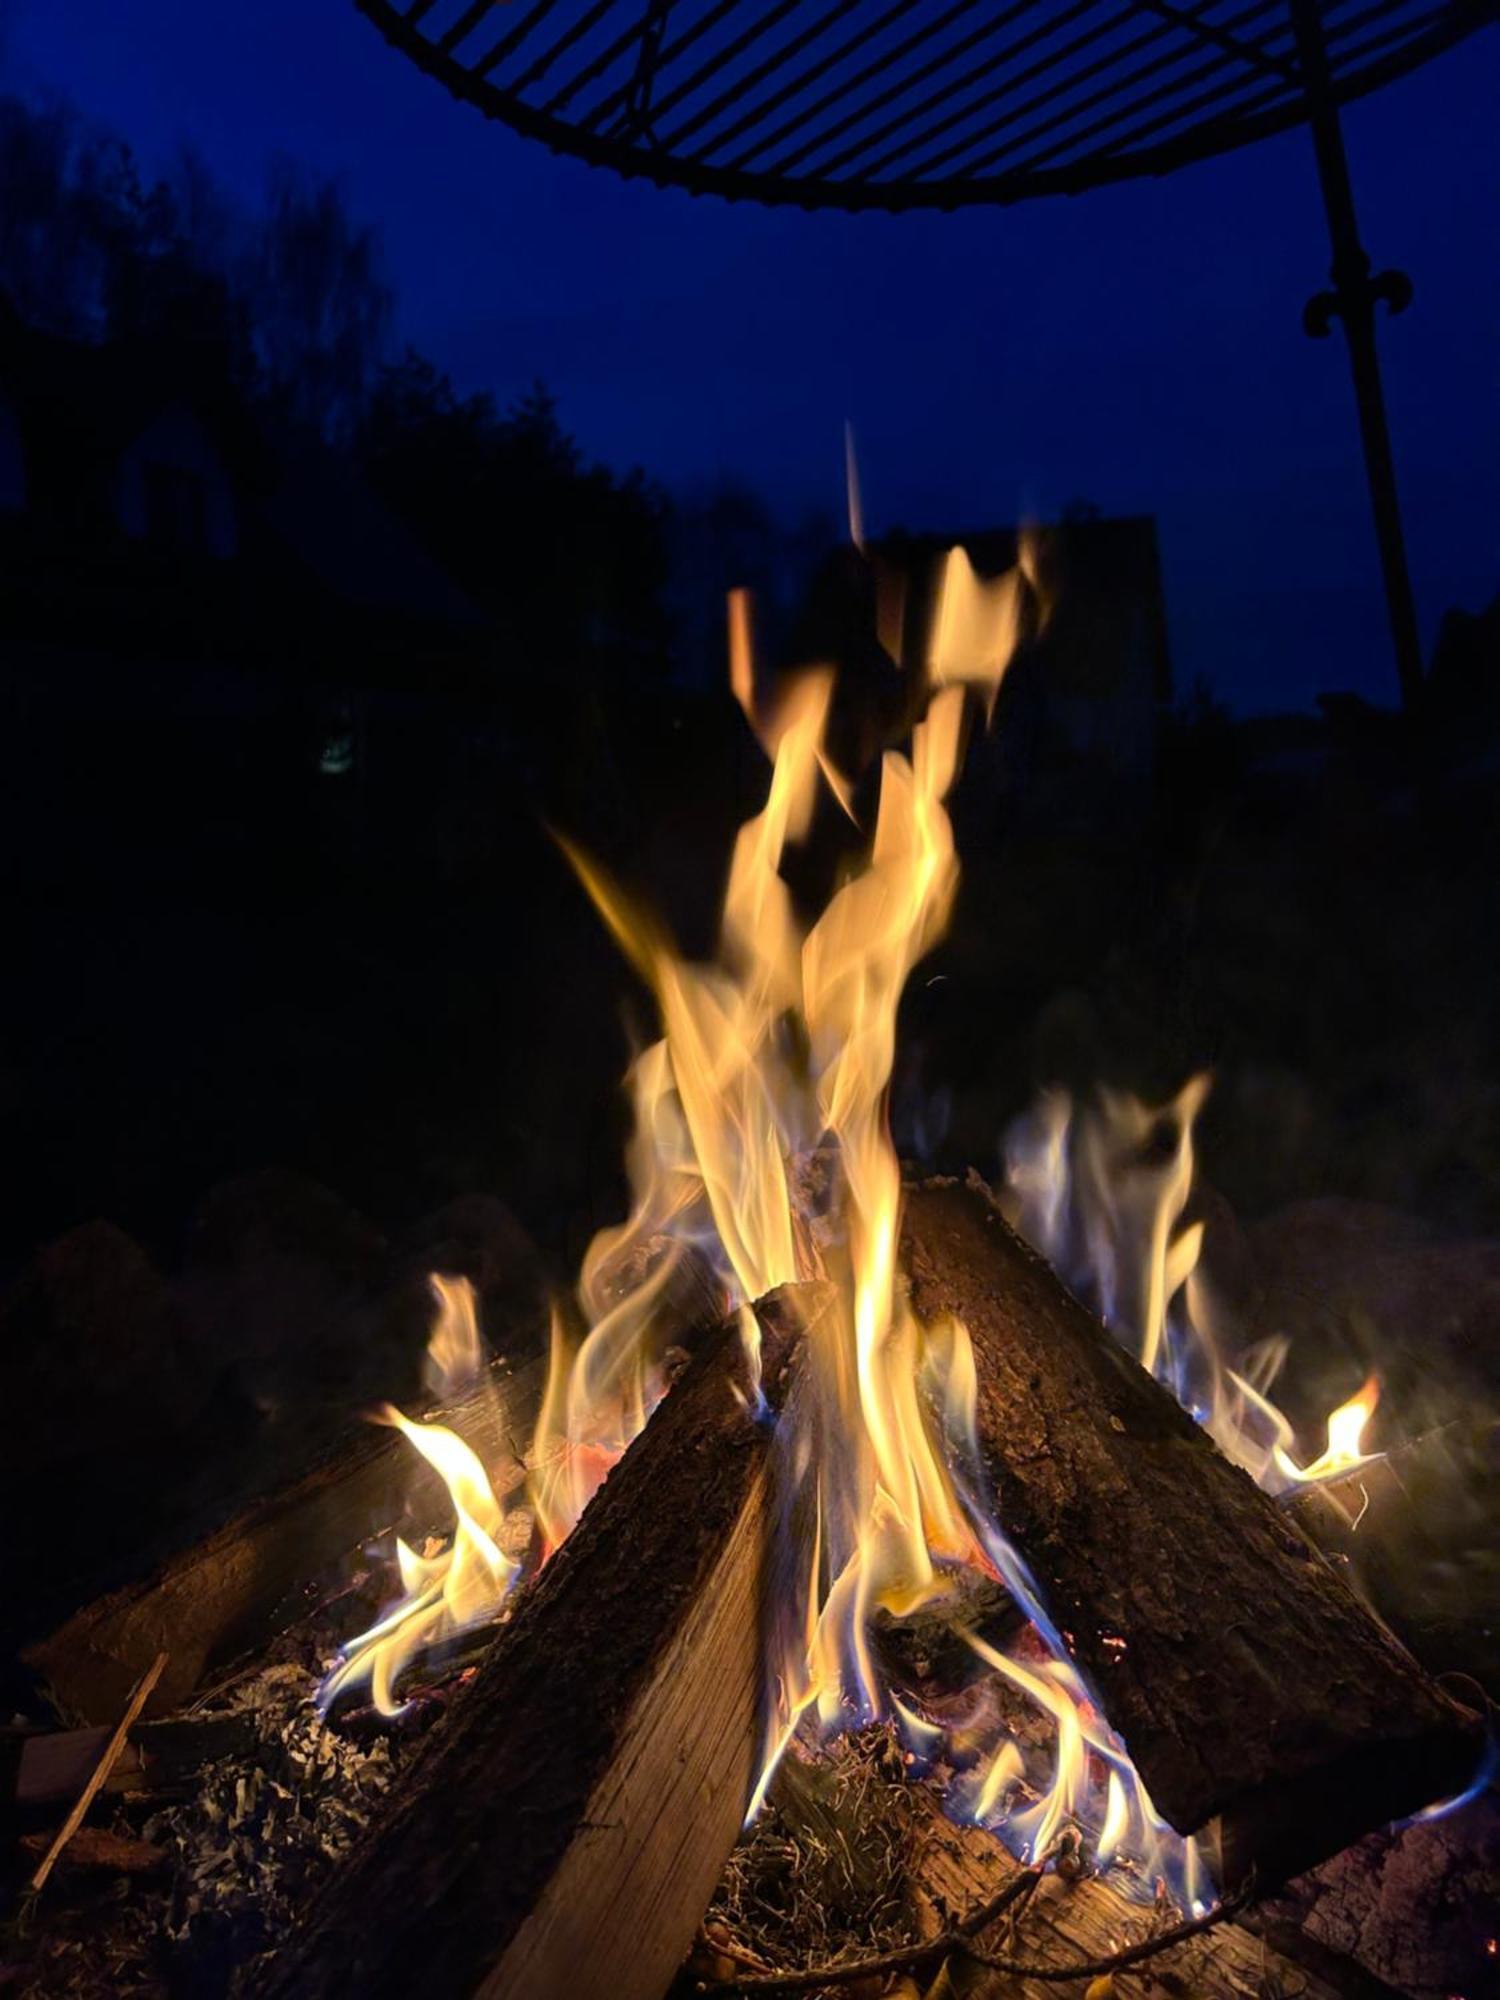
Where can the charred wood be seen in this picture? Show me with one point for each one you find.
(52, 1767)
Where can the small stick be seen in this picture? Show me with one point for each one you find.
(1117, 1961)
(112, 1753)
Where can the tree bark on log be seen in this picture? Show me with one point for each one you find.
(1256, 1695)
(564, 1832)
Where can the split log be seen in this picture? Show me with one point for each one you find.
(1256, 1695)
(563, 1834)
(250, 1579)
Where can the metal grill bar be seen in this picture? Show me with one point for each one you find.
(768, 67)
(1248, 52)
(1164, 120)
(710, 68)
(985, 100)
(895, 91)
(1121, 107)
(466, 23)
(508, 44)
(914, 141)
(540, 66)
(591, 120)
(805, 79)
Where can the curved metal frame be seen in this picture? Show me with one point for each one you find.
(1266, 80)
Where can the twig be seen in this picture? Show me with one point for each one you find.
(1117, 1961)
(102, 1769)
(899, 1960)
(728, 1947)
(1018, 1907)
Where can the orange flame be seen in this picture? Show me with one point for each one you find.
(455, 1352)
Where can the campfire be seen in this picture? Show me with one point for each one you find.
(878, 1575)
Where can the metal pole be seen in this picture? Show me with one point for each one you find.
(1353, 300)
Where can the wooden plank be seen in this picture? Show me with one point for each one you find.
(1258, 1698)
(563, 1833)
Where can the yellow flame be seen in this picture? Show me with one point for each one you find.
(455, 1351)
(442, 1595)
(784, 1045)
(975, 627)
(1345, 1448)
(761, 1143)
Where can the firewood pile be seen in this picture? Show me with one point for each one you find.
(562, 1794)
(840, 1606)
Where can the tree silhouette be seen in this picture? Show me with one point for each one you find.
(319, 303)
(569, 558)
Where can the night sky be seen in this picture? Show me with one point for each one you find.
(1139, 347)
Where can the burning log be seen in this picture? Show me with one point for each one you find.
(1253, 1691)
(856, 1879)
(565, 1831)
(251, 1578)
(247, 1580)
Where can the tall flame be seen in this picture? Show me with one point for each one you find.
(762, 1138)
(762, 1143)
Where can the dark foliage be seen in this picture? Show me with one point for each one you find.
(568, 559)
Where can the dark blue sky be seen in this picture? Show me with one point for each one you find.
(1140, 346)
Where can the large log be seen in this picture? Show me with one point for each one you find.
(563, 1834)
(1256, 1695)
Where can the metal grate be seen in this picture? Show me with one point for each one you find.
(900, 104)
